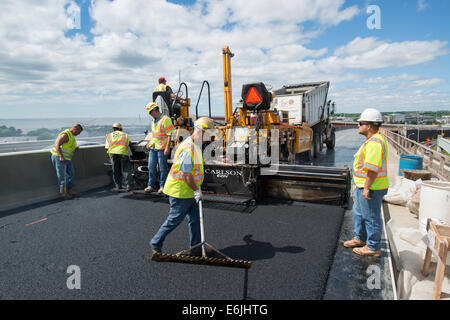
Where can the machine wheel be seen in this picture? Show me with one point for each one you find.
(321, 140)
(331, 142)
(314, 151)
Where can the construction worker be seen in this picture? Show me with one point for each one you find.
(183, 187)
(159, 147)
(62, 153)
(371, 179)
(117, 145)
(168, 98)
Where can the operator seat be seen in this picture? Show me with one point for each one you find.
(162, 99)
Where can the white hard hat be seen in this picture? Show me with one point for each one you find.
(117, 125)
(204, 123)
(371, 115)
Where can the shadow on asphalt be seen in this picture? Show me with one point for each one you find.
(254, 250)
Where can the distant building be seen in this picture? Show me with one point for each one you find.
(445, 120)
(427, 119)
(396, 118)
(412, 117)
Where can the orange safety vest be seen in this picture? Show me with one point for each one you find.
(117, 143)
(160, 132)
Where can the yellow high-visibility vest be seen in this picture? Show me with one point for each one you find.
(117, 143)
(175, 185)
(372, 155)
(160, 132)
(161, 87)
(67, 148)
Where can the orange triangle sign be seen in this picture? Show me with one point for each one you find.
(253, 96)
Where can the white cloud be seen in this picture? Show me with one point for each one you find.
(396, 78)
(387, 98)
(136, 41)
(421, 5)
(371, 53)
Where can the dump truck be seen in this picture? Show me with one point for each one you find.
(307, 103)
(253, 154)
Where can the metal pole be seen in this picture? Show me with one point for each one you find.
(417, 117)
(202, 232)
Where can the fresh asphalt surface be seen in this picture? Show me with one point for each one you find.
(292, 246)
(107, 234)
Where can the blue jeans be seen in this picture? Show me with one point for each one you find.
(157, 157)
(64, 172)
(179, 208)
(121, 168)
(367, 217)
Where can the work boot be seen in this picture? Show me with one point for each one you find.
(116, 188)
(64, 195)
(365, 251)
(149, 189)
(156, 253)
(73, 192)
(354, 243)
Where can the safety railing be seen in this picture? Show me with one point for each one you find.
(434, 161)
(199, 96)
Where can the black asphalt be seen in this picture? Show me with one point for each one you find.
(107, 234)
(296, 248)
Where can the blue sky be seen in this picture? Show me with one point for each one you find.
(110, 64)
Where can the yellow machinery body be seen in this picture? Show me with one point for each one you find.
(228, 180)
(293, 139)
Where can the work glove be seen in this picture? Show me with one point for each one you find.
(198, 195)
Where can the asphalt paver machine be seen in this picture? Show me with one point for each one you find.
(255, 152)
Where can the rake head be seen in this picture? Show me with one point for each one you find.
(228, 262)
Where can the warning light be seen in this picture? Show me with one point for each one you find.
(253, 96)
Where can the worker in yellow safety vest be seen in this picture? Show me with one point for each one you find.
(118, 146)
(62, 153)
(174, 108)
(183, 187)
(371, 184)
(159, 147)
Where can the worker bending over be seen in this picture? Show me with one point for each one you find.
(62, 153)
(159, 147)
(117, 145)
(371, 179)
(183, 187)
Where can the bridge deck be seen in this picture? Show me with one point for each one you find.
(292, 246)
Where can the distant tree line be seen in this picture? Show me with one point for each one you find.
(9, 131)
(436, 114)
(48, 134)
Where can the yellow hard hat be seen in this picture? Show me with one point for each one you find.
(117, 125)
(150, 106)
(204, 123)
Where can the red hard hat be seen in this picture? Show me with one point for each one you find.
(162, 79)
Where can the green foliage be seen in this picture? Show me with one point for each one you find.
(96, 131)
(45, 136)
(9, 131)
(42, 132)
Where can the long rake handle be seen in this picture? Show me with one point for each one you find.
(178, 257)
(202, 231)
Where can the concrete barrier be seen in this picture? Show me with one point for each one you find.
(29, 177)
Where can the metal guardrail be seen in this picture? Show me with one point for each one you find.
(434, 161)
(444, 144)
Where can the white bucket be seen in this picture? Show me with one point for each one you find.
(434, 203)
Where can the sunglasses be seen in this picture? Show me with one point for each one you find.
(363, 123)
